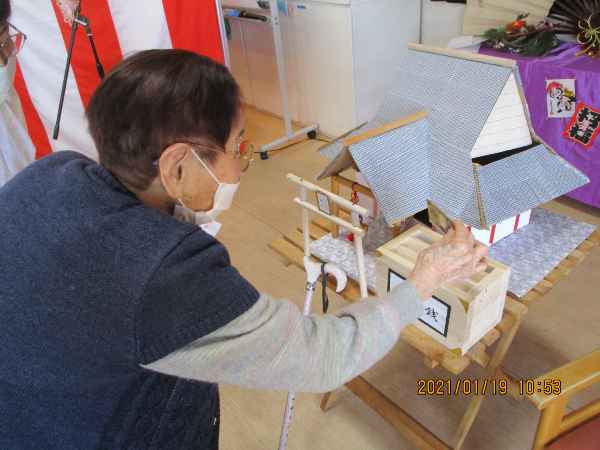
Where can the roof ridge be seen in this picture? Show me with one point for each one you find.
(462, 54)
(385, 128)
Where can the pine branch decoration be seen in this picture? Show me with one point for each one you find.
(523, 39)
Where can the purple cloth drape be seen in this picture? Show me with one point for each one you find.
(560, 64)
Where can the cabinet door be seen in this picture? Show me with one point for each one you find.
(239, 62)
(262, 66)
(323, 36)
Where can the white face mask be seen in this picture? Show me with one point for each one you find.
(7, 76)
(199, 218)
(222, 201)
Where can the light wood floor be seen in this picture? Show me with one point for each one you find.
(562, 326)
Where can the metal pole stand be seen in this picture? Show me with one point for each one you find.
(311, 130)
(78, 20)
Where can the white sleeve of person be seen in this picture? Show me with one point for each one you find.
(273, 346)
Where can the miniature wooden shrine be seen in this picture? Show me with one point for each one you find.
(460, 313)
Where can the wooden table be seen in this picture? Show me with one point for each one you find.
(488, 353)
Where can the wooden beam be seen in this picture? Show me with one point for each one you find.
(555, 276)
(331, 195)
(353, 185)
(512, 323)
(313, 209)
(543, 287)
(409, 427)
(577, 254)
(434, 350)
(586, 245)
(478, 354)
(335, 208)
(490, 338)
(322, 223)
(431, 363)
(467, 421)
(513, 384)
(373, 132)
(505, 62)
(531, 297)
(517, 309)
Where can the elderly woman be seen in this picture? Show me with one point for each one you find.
(16, 148)
(121, 312)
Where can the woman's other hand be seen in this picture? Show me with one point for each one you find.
(457, 256)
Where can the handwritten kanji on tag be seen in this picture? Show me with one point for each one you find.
(584, 127)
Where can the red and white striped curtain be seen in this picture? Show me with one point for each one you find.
(120, 27)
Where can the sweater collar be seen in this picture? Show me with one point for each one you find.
(110, 179)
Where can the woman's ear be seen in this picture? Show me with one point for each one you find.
(171, 169)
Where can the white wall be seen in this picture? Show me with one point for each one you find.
(441, 22)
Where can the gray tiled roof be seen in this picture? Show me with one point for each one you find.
(400, 180)
(392, 109)
(459, 95)
(524, 181)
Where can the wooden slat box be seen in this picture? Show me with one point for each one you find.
(460, 313)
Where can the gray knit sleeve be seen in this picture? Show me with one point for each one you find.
(273, 346)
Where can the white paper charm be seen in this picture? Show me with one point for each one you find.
(560, 98)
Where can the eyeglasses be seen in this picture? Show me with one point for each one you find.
(12, 44)
(244, 151)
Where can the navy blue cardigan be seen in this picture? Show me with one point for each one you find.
(93, 284)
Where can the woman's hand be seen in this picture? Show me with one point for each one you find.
(456, 256)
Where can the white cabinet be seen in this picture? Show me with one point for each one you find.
(340, 58)
(323, 34)
(253, 63)
(441, 22)
(238, 60)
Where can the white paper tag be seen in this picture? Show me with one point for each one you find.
(323, 203)
(437, 312)
(561, 98)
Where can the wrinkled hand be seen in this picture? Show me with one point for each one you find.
(457, 256)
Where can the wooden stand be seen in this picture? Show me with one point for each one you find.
(435, 354)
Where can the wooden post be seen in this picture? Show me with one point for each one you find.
(343, 181)
(360, 257)
(305, 224)
(335, 208)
